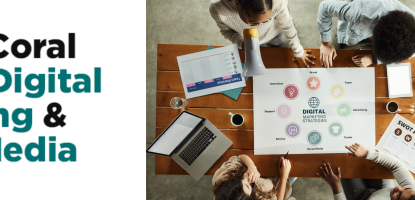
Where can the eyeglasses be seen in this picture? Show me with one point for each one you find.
(254, 24)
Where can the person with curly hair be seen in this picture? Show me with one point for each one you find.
(386, 26)
(271, 18)
(238, 178)
(371, 189)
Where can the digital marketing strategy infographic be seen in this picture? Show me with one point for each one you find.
(69, 100)
(312, 111)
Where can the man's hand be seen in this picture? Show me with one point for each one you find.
(327, 54)
(357, 150)
(363, 60)
(306, 58)
(285, 167)
(331, 178)
(252, 174)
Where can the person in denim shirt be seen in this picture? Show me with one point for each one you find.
(391, 23)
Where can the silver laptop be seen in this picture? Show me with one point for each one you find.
(193, 142)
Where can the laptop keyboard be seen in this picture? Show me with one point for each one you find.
(197, 146)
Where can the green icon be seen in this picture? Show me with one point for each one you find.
(314, 138)
(336, 129)
(343, 110)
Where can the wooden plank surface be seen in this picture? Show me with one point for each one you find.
(221, 119)
(272, 57)
(171, 81)
(303, 165)
(216, 106)
(245, 101)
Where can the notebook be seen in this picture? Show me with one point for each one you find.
(232, 93)
(399, 80)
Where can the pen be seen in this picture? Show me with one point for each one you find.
(284, 158)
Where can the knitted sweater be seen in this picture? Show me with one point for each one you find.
(401, 174)
(226, 15)
(264, 184)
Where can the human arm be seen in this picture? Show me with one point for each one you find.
(252, 172)
(333, 180)
(227, 32)
(327, 10)
(284, 172)
(285, 22)
(363, 60)
(399, 171)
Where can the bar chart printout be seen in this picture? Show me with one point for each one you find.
(211, 71)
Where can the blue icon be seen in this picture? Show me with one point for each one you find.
(313, 102)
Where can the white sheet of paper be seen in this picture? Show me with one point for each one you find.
(399, 140)
(410, 156)
(211, 71)
(391, 143)
(344, 99)
(401, 149)
(399, 82)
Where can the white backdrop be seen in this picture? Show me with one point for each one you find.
(103, 126)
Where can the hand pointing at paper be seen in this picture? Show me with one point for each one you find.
(357, 150)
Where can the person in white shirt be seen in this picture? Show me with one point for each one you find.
(270, 17)
(371, 189)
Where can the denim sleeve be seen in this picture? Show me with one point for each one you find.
(329, 9)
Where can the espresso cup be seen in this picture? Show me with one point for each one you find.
(392, 107)
(236, 119)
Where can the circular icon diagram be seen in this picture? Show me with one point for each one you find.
(292, 130)
(336, 129)
(408, 138)
(343, 110)
(291, 92)
(313, 102)
(336, 91)
(284, 110)
(314, 138)
(398, 132)
(313, 83)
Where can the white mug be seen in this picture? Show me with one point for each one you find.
(396, 109)
(232, 115)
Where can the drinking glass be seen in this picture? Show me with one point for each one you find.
(177, 103)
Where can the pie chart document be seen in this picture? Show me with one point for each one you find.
(314, 111)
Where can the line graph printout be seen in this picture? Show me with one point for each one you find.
(211, 71)
(314, 111)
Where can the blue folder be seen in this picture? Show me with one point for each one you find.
(232, 93)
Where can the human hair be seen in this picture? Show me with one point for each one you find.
(231, 189)
(394, 37)
(255, 6)
(412, 197)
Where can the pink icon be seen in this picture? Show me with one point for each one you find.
(284, 111)
(291, 92)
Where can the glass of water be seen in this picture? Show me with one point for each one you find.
(177, 103)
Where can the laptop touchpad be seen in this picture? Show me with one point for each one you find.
(210, 157)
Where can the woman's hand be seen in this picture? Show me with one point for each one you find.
(363, 60)
(327, 54)
(357, 150)
(331, 178)
(306, 58)
(285, 167)
(252, 174)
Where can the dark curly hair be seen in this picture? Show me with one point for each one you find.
(394, 37)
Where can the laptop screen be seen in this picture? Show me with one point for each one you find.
(167, 142)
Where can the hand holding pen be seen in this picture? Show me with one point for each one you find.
(285, 167)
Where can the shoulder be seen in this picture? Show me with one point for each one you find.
(216, 7)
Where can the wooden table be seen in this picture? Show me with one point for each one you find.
(215, 107)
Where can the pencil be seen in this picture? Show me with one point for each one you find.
(284, 158)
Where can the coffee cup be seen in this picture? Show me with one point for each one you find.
(392, 107)
(236, 119)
